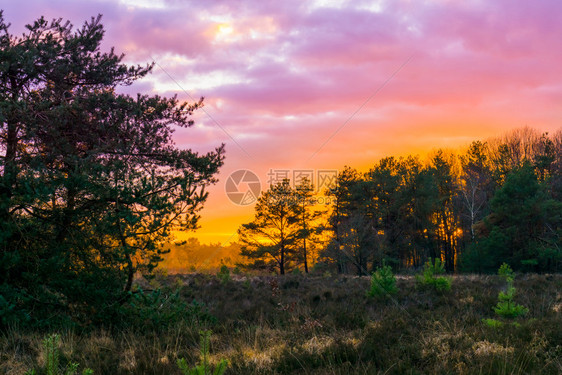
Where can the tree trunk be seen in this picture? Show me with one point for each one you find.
(282, 262)
(10, 171)
(304, 240)
(130, 274)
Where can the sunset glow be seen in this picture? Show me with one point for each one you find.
(309, 85)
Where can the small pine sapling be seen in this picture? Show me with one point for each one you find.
(203, 368)
(428, 277)
(506, 307)
(52, 360)
(383, 282)
(224, 274)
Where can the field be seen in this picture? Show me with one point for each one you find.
(319, 325)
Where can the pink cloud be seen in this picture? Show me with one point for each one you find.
(281, 77)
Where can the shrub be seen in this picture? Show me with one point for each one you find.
(158, 309)
(203, 368)
(383, 282)
(506, 273)
(429, 279)
(197, 314)
(506, 307)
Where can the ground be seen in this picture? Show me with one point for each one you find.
(299, 324)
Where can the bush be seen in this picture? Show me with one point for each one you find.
(383, 283)
(507, 308)
(9, 312)
(429, 279)
(158, 309)
(20, 309)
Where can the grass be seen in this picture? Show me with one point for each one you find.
(326, 325)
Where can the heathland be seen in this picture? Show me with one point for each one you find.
(320, 324)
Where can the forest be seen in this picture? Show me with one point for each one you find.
(498, 201)
(495, 201)
(445, 265)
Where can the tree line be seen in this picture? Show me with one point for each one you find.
(498, 201)
(191, 255)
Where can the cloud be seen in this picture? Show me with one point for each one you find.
(280, 78)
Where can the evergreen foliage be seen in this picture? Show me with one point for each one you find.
(52, 360)
(383, 282)
(506, 307)
(521, 228)
(224, 274)
(271, 239)
(204, 367)
(429, 277)
(91, 184)
(500, 200)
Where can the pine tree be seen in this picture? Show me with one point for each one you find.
(522, 228)
(308, 217)
(272, 238)
(91, 183)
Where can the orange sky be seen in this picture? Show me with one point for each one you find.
(325, 83)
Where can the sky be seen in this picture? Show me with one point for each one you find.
(297, 85)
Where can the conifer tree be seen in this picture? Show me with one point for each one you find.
(91, 183)
(272, 238)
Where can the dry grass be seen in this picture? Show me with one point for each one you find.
(316, 325)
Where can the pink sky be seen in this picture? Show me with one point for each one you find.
(281, 77)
